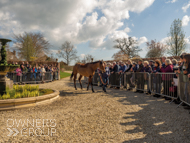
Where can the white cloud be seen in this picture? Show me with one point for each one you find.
(171, 1)
(184, 8)
(127, 29)
(82, 56)
(187, 40)
(185, 20)
(142, 40)
(62, 20)
(164, 40)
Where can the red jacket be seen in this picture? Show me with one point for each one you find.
(167, 69)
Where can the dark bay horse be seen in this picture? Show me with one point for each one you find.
(87, 70)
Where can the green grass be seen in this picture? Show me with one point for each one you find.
(64, 74)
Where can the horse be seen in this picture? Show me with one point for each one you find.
(87, 70)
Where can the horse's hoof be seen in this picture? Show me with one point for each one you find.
(75, 88)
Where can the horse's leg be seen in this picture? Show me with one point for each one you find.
(88, 83)
(80, 81)
(75, 76)
(91, 83)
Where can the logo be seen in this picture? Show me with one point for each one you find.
(31, 127)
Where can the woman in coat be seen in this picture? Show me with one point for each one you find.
(167, 78)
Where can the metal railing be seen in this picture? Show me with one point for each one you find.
(164, 84)
(184, 89)
(33, 77)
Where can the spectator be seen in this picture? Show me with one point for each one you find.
(105, 76)
(122, 68)
(43, 73)
(115, 68)
(156, 78)
(19, 74)
(167, 80)
(147, 69)
(34, 72)
(134, 67)
(174, 62)
(151, 63)
(39, 73)
(24, 72)
(27, 65)
(129, 75)
(163, 61)
(129, 62)
(140, 78)
(30, 72)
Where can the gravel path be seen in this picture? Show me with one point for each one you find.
(113, 117)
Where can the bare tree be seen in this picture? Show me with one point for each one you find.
(86, 59)
(31, 45)
(67, 52)
(128, 46)
(155, 49)
(120, 56)
(176, 42)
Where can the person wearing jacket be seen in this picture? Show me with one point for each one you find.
(34, 72)
(151, 64)
(19, 73)
(166, 78)
(104, 76)
(156, 78)
(129, 74)
(115, 68)
(140, 77)
(114, 75)
(24, 72)
(43, 73)
(147, 69)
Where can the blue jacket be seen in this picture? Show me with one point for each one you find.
(135, 68)
(156, 69)
(123, 68)
(148, 69)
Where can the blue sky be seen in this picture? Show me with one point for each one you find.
(93, 25)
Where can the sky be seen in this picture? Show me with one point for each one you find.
(93, 25)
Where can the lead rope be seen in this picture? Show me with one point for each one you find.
(102, 81)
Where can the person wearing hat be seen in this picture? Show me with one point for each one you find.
(151, 64)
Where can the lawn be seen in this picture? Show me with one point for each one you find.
(64, 74)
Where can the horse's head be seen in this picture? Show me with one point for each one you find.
(102, 66)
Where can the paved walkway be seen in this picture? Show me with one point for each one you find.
(82, 116)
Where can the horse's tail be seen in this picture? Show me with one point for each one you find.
(71, 76)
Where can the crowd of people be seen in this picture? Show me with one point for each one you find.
(26, 73)
(165, 65)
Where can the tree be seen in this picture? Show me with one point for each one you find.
(67, 52)
(155, 49)
(120, 56)
(31, 45)
(128, 46)
(176, 41)
(86, 59)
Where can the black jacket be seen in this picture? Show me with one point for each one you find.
(141, 68)
(129, 68)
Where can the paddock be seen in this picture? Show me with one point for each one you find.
(116, 116)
